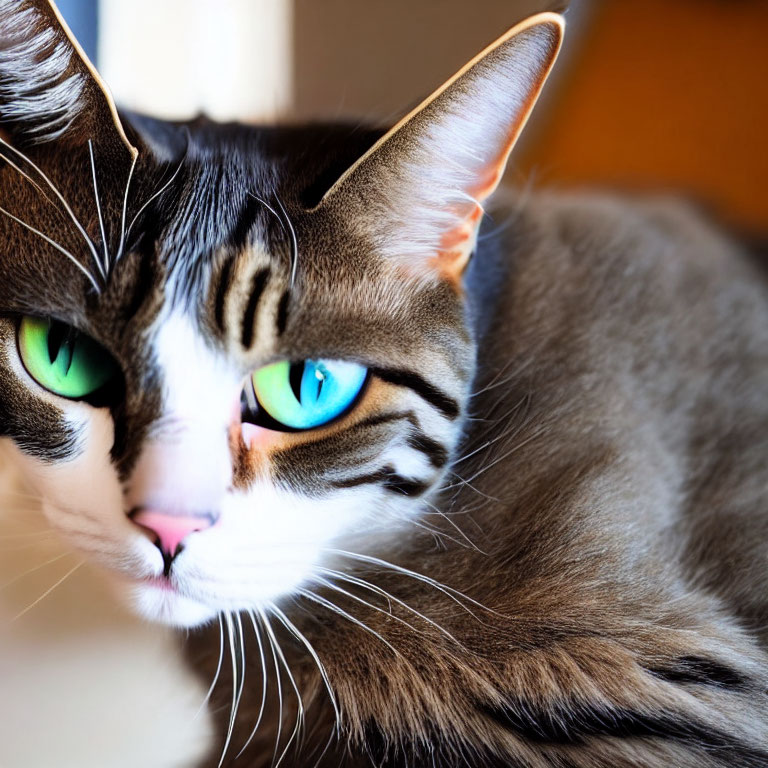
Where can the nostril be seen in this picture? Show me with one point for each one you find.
(169, 529)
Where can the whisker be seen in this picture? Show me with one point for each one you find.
(469, 543)
(505, 455)
(388, 596)
(291, 627)
(161, 190)
(54, 245)
(23, 173)
(48, 591)
(263, 705)
(299, 702)
(125, 209)
(58, 194)
(32, 570)
(104, 269)
(233, 656)
(284, 220)
(295, 253)
(218, 669)
(450, 592)
(315, 598)
(278, 679)
(356, 598)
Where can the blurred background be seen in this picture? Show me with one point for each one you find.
(648, 94)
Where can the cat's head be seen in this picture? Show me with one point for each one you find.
(228, 353)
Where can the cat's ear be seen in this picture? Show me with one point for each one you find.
(418, 192)
(50, 93)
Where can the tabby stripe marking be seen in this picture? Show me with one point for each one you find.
(436, 453)
(246, 218)
(225, 282)
(249, 317)
(143, 288)
(281, 319)
(700, 670)
(389, 479)
(383, 418)
(434, 396)
(570, 725)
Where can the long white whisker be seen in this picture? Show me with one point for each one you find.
(48, 591)
(291, 627)
(506, 454)
(336, 588)
(270, 209)
(299, 702)
(263, 684)
(161, 190)
(315, 598)
(56, 246)
(233, 655)
(125, 209)
(21, 171)
(104, 269)
(218, 669)
(295, 254)
(388, 596)
(60, 197)
(450, 592)
(279, 681)
(471, 544)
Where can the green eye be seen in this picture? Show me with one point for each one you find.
(299, 396)
(63, 360)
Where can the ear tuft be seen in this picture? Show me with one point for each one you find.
(41, 91)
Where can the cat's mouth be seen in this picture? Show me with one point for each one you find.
(159, 598)
(163, 583)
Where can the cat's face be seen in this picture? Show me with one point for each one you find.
(218, 390)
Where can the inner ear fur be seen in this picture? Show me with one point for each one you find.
(419, 191)
(49, 90)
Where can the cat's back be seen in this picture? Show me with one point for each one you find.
(639, 325)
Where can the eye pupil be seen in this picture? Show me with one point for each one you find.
(60, 345)
(295, 377)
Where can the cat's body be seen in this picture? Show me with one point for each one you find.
(614, 514)
(481, 500)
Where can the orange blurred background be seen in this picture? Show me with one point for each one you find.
(670, 93)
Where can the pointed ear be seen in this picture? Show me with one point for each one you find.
(419, 190)
(49, 90)
(61, 141)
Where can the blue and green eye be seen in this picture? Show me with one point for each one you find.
(298, 396)
(63, 360)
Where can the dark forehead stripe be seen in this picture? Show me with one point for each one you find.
(222, 289)
(281, 319)
(258, 283)
(143, 288)
(246, 219)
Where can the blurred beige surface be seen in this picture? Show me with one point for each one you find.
(83, 684)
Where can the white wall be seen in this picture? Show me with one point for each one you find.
(231, 59)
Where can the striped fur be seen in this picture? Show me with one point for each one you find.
(538, 538)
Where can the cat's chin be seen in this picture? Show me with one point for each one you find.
(166, 606)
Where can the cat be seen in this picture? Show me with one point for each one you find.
(425, 486)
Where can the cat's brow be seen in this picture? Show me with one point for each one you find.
(222, 290)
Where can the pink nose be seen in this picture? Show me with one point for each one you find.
(170, 529)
